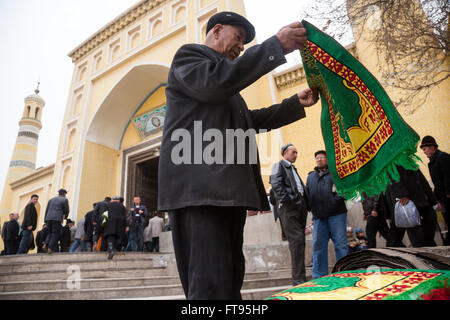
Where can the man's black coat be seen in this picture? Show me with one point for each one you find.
(413, 185)
(64, 239)
(116, 220)
(284, 185)
(40, 238)
(204, 86)
(11, 230)
(374, 203)
(322, 196)
(439, 167)
(88, 226)
(30, 217)
(100, 207)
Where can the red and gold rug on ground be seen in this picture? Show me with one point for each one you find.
(389, 284)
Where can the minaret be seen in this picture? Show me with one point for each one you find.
(23, 160)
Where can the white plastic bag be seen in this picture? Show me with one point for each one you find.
(406, 216)
(105, 218)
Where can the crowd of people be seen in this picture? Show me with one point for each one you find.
(108, 227)
(292, 200)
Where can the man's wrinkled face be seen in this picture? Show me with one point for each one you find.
(290, 154)
(34, 200)
(231, 40)
(429, 150)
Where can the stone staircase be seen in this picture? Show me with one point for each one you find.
(131, 275)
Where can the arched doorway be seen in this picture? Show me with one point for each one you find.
(104, 169)
(140, 173)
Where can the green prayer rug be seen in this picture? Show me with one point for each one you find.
(391, 284)
(365, 137)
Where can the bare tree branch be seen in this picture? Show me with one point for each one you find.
(411, 37)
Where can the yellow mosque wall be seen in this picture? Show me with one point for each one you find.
(99, 178)
(18, 196)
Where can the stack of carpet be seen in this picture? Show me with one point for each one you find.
(379, 274)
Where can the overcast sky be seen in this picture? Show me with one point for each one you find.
(37, 35)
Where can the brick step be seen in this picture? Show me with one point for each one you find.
(43, 285)
(47, 285)
(73, 257)
(127, 292)
(86, 264)
(86, 273)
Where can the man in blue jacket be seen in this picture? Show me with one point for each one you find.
(329, 215)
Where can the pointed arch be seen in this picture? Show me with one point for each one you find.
(120, 103)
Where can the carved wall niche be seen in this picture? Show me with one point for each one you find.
(98, 61)
(179, 12)
(155, 25)
(114, 50)
(134, 38)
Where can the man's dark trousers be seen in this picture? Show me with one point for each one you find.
(375, 224)
(11, 247)
(208, 244)
(293, 218)
(54, 233)
(155, 244)
(446, 215)
(26, 242)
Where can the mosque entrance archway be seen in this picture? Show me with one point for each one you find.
(146, 183)
(101, 165)
(140, 173)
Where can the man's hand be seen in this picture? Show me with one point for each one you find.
(374, 214)
(308, 97)
(403, 201)
(292, 37)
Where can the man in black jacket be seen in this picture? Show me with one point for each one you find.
(99, 208)
(29, 224)
(293, 208)
(329, 215)
(207, 200)
(136, 217)
(89, 228)
(65, 239)
(40, 238)
(114, 225)
(374, 208)
(11, 234)
(439, 167)
(412, 187)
